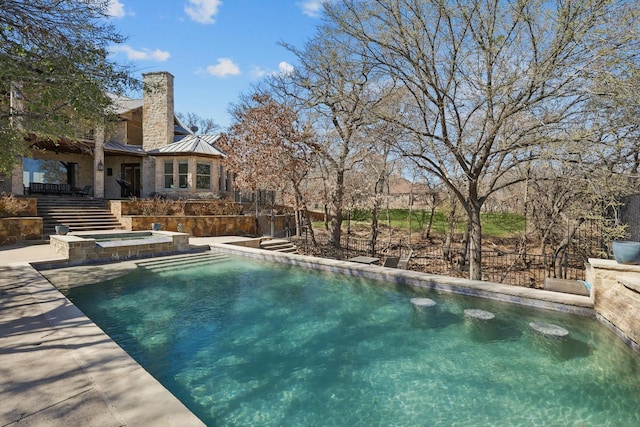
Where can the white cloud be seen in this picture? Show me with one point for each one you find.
(285, 68)
(141, 55)
(115, 9)
(257, 72)
(203, 11)
(312, 7)
(224, 67)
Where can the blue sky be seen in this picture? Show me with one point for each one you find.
(214, 48)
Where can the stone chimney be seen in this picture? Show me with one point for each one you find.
(157, 110)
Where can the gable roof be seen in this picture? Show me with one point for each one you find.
(179, 128)
(119, 147)
(202, 145)
(123, 104)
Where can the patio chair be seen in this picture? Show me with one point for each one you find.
(391, 261)
(83, 191)
(403, 263)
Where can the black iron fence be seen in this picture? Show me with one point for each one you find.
(519, 269)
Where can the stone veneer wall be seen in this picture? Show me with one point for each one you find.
(157, 123)
(78, 249)
(616, 296)
(15, 229)
(26, 226)
(157, 110)
(196, 226)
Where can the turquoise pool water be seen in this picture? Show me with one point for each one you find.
(246, 343)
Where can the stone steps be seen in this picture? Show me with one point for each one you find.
(183, 261)
(278, 245)
(78, 213)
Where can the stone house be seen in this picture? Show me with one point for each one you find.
(146, 151)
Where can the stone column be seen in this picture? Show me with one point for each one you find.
(148, 172)
(616, 297)
(98, 163)
(157, 110)
(17, 178)
(16, 104)
(157, 123)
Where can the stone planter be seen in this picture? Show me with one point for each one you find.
(61, 230)
(626, 252)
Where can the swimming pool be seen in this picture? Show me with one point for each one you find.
(243, 342)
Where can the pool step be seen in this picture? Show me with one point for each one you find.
(278, 245)
(182, 261)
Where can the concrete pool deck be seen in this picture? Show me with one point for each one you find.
(59, 368)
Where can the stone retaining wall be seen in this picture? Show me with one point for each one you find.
(13, 230)
(196, 226)
(615, 301)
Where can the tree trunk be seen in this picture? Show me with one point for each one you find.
(475, 243)
(430, 223)
(326, 216)
(375, 214)
(307, 217)
(452, 223)
(309, 225)
(336, 219)
(410, 211)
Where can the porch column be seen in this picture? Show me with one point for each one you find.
(17, 177)
(16, 104)
(98, 163)
(148, 176)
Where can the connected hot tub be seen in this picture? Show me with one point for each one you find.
(84, 247)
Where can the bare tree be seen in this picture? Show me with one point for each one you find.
(563, 197)
(489, 84)
(334, 85)
(198, 124)
(268, 148)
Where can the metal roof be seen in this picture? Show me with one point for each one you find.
(191, 144)
(119, 147)
(180, 128)
(123, 104)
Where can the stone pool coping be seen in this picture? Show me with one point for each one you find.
(83, 247)
(537, 298)
(58, 367)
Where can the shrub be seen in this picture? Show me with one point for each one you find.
(215, 207)
(158, 206)
(10, 205)
(162, 206)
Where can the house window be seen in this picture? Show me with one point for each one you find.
(168, 174)
(203, 176)
(220, 178)
(227, 181)
(183, 174)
